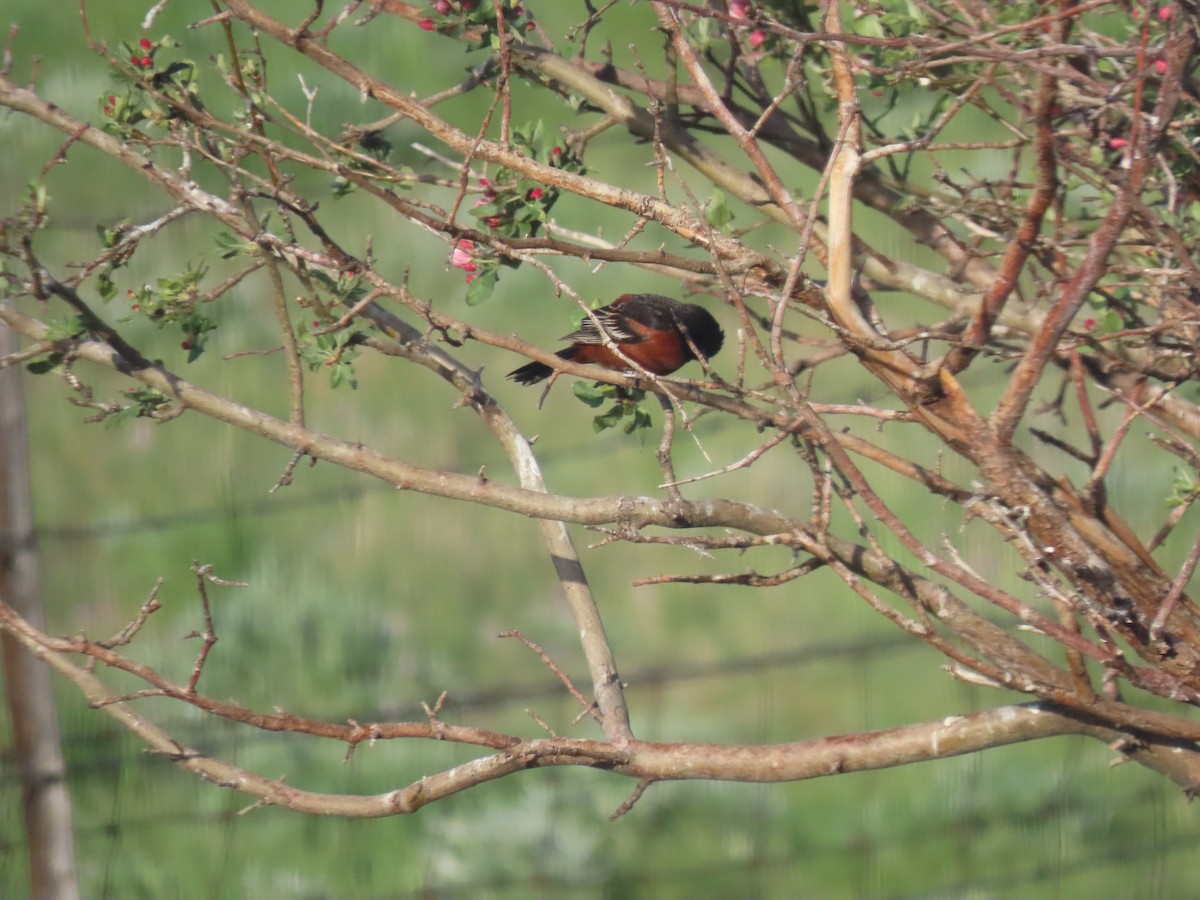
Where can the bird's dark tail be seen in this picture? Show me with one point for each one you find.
(532, 373)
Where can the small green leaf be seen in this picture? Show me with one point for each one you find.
(105, 286)
(65, 328)
(44, 365)
(717, 211)
(640, 419)
(121, 416)
(588, 393)
(482, 286)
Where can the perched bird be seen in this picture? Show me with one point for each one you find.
(655, 332)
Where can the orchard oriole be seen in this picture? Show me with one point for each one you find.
(655, 332)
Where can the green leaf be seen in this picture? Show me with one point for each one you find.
(610, 418)
(44, 365)
(65, 328)
(588, 393)
(121, 416)
(640, 419)
(230, 245)
(482, 286)
(717, 211)
(105, 286)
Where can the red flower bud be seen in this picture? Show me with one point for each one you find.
(427, 24)
(536, 193)
(186, 345)
(147, 61)
(145, 44)
(461, 257)
(136, 60)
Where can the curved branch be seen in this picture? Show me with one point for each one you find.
(770, 763)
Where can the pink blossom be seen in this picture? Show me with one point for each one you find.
(441, 7)
(756, 39)
(1089, 324)
(461, 257)
(1117, 143)
(1160, 66)
(739, 9)
(1165, 13)
(427, 24)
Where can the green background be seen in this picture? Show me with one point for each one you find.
(364, 601)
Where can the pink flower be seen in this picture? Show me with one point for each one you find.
(147, 62)
(441, 7)
(1089, 324)
(427, 24)
(461, 257)
(756, 39)
(536, 193)
(145, 44)
(1165, 13)
(1117, 143)
(1160, 66)
(739, 9)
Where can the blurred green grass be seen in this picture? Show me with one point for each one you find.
(364, 601)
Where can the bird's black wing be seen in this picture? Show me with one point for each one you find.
(615, 324)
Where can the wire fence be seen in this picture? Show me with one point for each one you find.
(99, 758)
